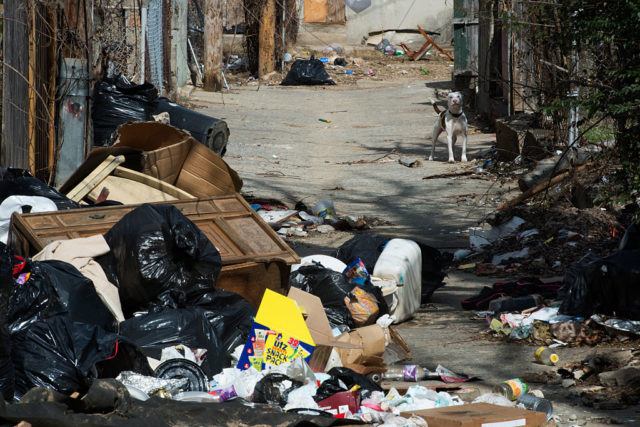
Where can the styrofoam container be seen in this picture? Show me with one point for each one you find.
(401, 260)
(327, 262)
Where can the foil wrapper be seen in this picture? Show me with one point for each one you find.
(153, 385)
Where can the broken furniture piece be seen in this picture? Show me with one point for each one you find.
(417, 55)
(124, 185)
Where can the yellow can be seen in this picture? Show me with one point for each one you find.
(545, 356)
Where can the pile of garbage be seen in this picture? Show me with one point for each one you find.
(598, 300)
(321, 218)
(540, 242)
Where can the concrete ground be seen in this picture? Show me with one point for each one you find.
(281, 150)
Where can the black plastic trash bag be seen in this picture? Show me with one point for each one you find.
(609, 285)
(60, 354)
(328, 285)
(115, 102)
(229, 314)
(19, 182)
(54, 288)
(434, 264)
(189, 326)
(343, 379)
(273, 389)
(351, 378)
(155, 248)
(6, 366)
(231, 317)
(307, 72)
(332, 288)
(367, 247)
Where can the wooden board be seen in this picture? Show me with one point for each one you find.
(129, 192)
(228, 221)
(315, 11)
(335, 12)
(131, 187)
(96, 176)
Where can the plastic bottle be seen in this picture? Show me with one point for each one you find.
(408, 373)
(511, 389)
(546, 356)
(535, 403)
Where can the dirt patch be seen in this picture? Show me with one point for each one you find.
(364, 64)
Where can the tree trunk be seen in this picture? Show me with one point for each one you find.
(266, 37)
(213, 45)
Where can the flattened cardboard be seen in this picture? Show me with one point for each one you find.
(479, 415)
(205, 173)
(280, 332)
(319, 328)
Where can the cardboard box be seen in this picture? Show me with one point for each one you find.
(168, 154)
(479, 415)
(286, 328)
(340, 402)
(365, 355)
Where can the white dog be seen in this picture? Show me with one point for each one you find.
(454, 122)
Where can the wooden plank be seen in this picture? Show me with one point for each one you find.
(315, 11)
(434, 43)
(172, 190)
(32, 84)
(127, 191)
(95, 177)
(335, 12)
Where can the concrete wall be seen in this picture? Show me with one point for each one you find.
(431, 15)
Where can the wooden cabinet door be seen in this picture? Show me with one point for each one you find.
(324, 11)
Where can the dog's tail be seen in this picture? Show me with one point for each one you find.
(435, 106)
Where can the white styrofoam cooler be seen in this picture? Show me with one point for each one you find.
(401, 260)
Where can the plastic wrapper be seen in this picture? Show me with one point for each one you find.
(274, 389)
(64, 355)
(155, 248)
(53, 288)
(151, 385)
(307, 72)
(19, 182)
(357, 272)
(607, 285)
(243, 382)
(302, 398)
(363, 306)
(189, 326)
(115, 102)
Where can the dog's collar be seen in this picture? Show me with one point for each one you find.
(456, 115)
